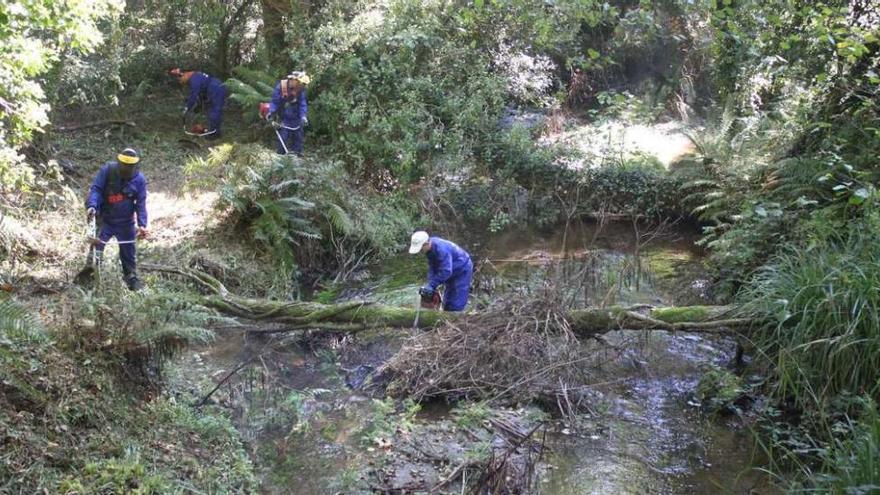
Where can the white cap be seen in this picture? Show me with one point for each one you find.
(419, 238)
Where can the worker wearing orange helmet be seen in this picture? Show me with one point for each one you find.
(208, 91)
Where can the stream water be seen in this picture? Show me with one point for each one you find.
(310, 430)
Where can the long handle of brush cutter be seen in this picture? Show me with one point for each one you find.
(275, 126)
(93, 230)
(283, 145)
(418, 310)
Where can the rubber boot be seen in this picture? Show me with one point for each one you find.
(133, 282)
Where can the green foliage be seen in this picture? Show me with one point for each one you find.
(338, 228)
(33, 38)
(387, 419)
(408, 87)
(718, 388)
(145, 329)
(17, 324)
(852, 463)
(822, 302)
(471, 415)
(251, 87)
(268, 202)
(126, 475)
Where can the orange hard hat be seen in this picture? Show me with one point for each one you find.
(182, 76)
(264, 109)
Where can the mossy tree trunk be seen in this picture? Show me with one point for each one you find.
(360, 315)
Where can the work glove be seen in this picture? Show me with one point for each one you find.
(142, 233)
(90, 214)
(305, 121)
(426, 291)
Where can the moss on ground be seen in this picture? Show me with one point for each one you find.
(665, 264)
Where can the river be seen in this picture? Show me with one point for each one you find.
(310, 429)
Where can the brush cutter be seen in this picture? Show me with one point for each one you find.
(264, 113)
(196, 129)
(276, 126)
(86, 275)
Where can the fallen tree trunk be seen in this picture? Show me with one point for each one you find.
(360, 315)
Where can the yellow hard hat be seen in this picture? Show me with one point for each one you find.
(300, 76)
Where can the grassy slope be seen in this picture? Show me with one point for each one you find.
(72, 419)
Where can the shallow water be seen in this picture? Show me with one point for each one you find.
(310, 432)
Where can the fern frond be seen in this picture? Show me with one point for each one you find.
(17, 324)
(339, 219)
(254, 76)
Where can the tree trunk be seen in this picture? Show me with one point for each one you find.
(222, 50)
(352, 317)
(273, 30)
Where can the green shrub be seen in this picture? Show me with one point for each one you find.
(143, 331)
(305, 214)
(637, 186)
(823, 305)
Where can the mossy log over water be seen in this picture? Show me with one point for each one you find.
(361, 315)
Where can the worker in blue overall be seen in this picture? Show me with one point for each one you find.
(448, 265)
(207, 91)
(289, 102)
(118, 197)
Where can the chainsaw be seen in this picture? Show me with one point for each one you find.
(427, 300)
(430, 301)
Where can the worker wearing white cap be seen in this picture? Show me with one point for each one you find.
(448, 265)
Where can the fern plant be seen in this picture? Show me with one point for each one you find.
(267, 202)
(17, 324)
(146, 329)
(250, 87)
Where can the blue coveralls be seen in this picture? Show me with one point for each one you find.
(293, 111)
(213, 92)
(451, 265)
(117, 202)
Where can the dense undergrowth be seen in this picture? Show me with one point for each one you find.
(79, 417)
(411, 126)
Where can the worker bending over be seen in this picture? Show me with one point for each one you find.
(448, 265)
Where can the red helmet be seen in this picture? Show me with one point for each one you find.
(264, 109)
(198, 129)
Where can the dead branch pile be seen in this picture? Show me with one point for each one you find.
(511, 354)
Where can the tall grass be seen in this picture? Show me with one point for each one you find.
(851, 463)
(823, 302)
